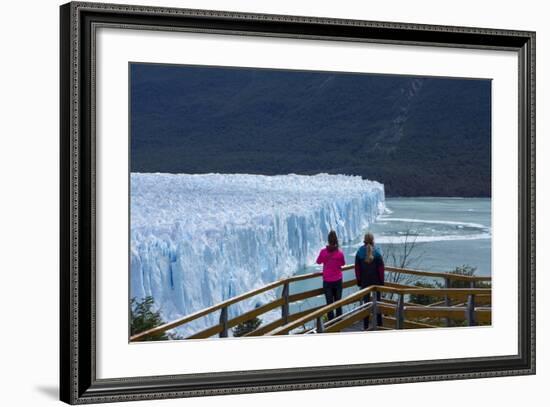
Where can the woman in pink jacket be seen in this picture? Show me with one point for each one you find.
(332, 259)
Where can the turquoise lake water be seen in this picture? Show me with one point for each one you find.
(446, 232)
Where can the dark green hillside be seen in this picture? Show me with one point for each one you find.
(419, 136)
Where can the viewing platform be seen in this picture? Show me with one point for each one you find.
(446, 306)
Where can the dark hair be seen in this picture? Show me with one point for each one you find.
(332, 239)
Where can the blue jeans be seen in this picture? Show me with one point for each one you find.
(333, 292)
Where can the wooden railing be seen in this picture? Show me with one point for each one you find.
(469, 313)
(289, 321)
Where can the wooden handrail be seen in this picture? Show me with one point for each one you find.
(308, 294)
(349, 320)
(317, 291)
(247, 316)
(205, 311)
(450, 275)
(261, 330)
(205, 333)
(433, 274)
(391, 321)
(482, 314)
(322, 311)
(450, 292)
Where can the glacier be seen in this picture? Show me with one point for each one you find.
(199, 239)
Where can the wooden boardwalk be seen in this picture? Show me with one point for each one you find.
(467, 306)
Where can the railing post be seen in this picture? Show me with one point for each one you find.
(399, 317)
(447, 300)
(223, 322)
(374, 311)
(285, 307)
(320, 326)
(470, 311)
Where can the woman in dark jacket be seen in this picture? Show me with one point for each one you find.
(369, 270)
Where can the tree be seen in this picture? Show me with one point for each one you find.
(402, 255)
(247, 326)
(424, 299)
(143, 317)
(466, 270)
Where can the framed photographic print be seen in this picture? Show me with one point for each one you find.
(246, 198)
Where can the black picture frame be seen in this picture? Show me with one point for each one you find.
(78, 381)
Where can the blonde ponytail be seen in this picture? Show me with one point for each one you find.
(370, 256)
(369, 242)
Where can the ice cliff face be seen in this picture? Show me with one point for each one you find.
(197, 240)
